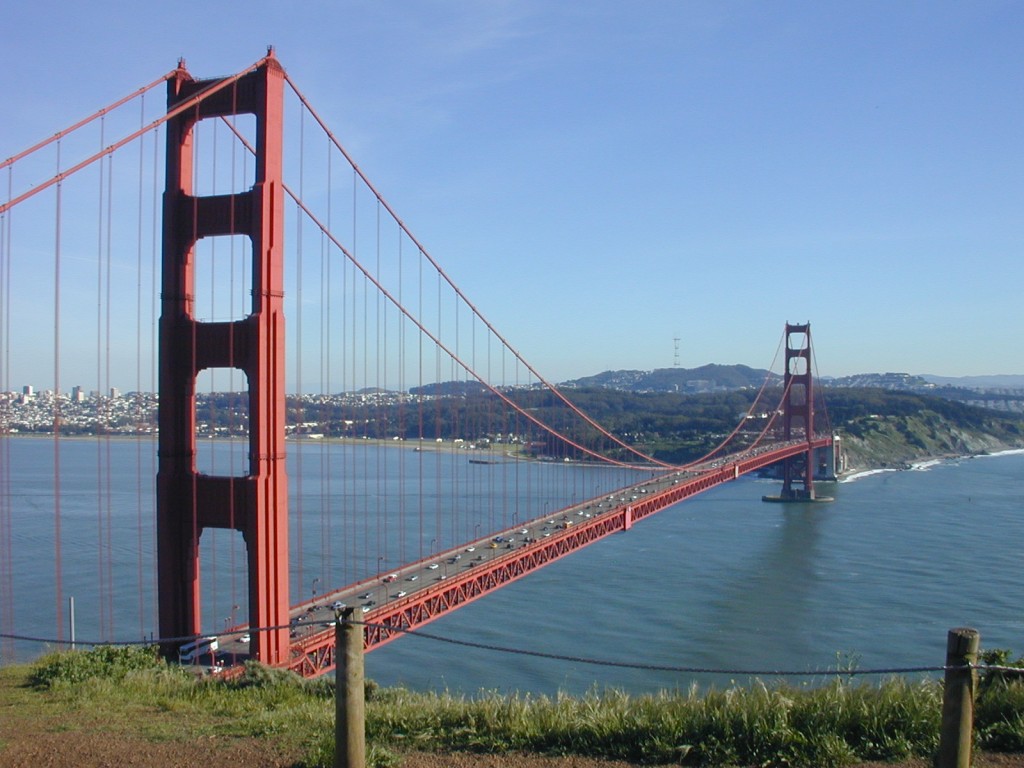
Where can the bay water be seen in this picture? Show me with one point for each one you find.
(722, 582)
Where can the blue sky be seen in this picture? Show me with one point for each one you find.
(601, 178)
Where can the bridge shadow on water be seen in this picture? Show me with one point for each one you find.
(764, 613)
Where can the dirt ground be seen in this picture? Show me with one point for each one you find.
(26, 749)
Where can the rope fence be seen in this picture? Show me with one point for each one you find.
(612, 663)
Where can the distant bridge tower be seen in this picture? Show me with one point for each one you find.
(188, 502)
(798, 415)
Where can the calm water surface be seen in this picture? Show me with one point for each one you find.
(725, 581)
(722, 581)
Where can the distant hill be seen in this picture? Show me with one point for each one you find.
(998, 392)
(880, 427)
(726, 378)
(707, 378)
(928, 382)
(998, 381)
(450, 389)
(905, 382)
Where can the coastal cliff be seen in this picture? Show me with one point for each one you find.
(898, 441)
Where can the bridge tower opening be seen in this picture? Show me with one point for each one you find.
(189, 501)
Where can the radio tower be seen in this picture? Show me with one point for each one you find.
(676, 362)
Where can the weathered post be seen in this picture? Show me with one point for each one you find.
(349, 701)
(961, 681)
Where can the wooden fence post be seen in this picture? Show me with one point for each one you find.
(961, 681)
(349, 693)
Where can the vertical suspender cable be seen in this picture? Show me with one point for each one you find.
(503, 425)
(102, 403)
(379, 385)
(438, 434)
(105, 478)
(420, 416)
(6, 528)
(299, 417)
(57, 555)
(401, 383)
(455, 427)
(191, 305)
(367, 412)
(322, 416)
(137, 415)
(232, 316)
(154, 310)
(358, 511)
(348, 507)
(326, 468)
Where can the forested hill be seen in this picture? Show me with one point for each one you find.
(882, 428)
(1005, 393)
(879, 428)
(886, 420)
(706, 378)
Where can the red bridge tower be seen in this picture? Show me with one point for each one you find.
(798, 415)
(188, 502)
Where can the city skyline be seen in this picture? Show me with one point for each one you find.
(879, 379)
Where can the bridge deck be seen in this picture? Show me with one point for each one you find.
(420, 592)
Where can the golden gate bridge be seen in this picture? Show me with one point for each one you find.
(184, 244)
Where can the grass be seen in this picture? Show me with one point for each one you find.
(132, 692)
(835, 725)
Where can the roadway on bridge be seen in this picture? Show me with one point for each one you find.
(388, 588)
(383, 593)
